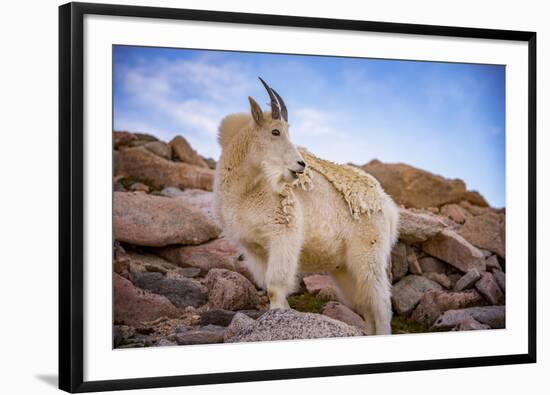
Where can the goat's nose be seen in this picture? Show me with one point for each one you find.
(301, 163)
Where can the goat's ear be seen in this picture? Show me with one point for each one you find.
(256, 111)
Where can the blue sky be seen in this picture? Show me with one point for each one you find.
(446, 118)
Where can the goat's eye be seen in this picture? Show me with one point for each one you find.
(275, 132)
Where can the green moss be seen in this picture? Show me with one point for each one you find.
(401, 324)
(307, 303)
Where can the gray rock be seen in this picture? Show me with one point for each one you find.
(488, 287)
(454, 277)
(468, 280)
(400, 265)
(492, 264)
(230, 290)
(181, 292)
(224, 317)
(241, 323)
(204, 335)
(452, 248)
(343, 313)
(431, 264)
(412, 260)
(494, 316)
(407, 292)
(433, 303)
(501, 280)
(418, 227)
(290, 324)
(439, 278)
(159, 148)
(122, 334)
(470, 324)
(165, 343)
(181, 328)
(171, 192)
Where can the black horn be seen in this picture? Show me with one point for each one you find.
(284, 111)
(275, 112)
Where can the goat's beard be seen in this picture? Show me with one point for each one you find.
(277, 177)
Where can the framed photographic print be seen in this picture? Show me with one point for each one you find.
(346, 197)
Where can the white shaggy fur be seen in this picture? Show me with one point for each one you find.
(332, 218)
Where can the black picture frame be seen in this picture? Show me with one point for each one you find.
(71, 204)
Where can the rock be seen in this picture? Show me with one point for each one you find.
(224, 317)
(115, 163)
(210, 162)
(417, 188)
(400, 265)
(123, 139)
(488, 287)
(185, 153)
(216, 254)
(417, 227)
(435, 302)
(217, 317)
(205, 335)
(165, 343)
(470, 324)
(408, 291)
(230, 291)
(475, 209)
(118, 187)
(492, 264)
(455, 250)
(486, 231)
(454, 212)
(141, 163)
(121, 267)
(494, 316)
(454, 277)
(431, 264)
(145, 137)
(321, 284)
(159, 148)
(198, 199)
(500, 277)
(240, 323)
(439, 278)
(343, 313)
(139, 187)
(171, 192)
(133, 306)
(181, 292)
(122, 334)
(140, 262)
(468, 280)
(412, 260)
(290, 324)
(156, 221)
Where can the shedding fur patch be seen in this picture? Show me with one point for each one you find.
(361, 191)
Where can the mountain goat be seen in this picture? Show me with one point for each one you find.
(291, 211)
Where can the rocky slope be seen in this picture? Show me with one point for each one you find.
(176, 280)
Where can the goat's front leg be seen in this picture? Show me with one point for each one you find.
(282, 266)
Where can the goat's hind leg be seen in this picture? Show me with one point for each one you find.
(373, 288)
(347, 286)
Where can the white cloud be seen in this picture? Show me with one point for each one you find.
(190, 95)
(313, 122)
